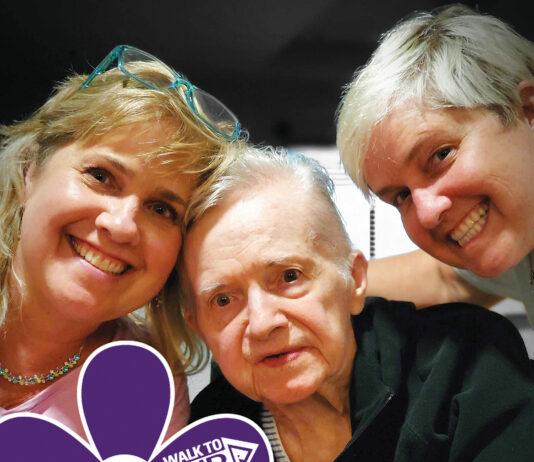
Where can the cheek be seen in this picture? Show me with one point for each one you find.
(226, 348)
(412, 226)
(162, 253)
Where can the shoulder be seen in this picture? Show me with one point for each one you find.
(462, 370)
(460, 329)
(464, 316)
(507, 284)
(220, 397)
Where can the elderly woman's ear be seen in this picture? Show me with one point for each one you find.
(191, 320)
(526, 93)
(359, 276)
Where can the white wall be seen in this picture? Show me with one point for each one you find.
(390, 238)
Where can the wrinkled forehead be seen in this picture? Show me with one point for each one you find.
(258, 229)
(267, 212)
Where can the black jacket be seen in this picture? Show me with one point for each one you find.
(448, 383)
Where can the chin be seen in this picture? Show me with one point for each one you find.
(284, 397)
(288, 393)
(492, 267)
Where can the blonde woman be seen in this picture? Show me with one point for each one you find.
(94, 186)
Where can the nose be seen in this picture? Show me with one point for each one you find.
(264, 314)
(430, 206)
(119, 220)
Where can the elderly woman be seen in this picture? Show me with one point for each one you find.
(94, 187)
(276, 293)
(439, 124)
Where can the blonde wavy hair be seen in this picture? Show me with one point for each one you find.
(71, 114)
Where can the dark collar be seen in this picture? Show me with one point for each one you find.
(377, 375)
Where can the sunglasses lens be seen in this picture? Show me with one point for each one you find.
(141, 66)
(215, 113)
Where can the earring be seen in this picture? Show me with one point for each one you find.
(157, 302)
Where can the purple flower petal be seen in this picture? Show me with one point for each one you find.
(126, 393)
(25, 438)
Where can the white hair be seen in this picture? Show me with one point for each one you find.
(452, 57)
(261, 166)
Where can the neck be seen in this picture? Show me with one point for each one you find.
(305, 427)
(31, 342)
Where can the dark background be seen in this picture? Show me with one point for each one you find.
(278, 64)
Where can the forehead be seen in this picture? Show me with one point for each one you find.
(136, 138)
(142, 143)
(409, 129)
(409, 122)
(252, 227)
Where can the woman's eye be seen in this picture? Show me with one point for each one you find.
(442, 157)
(401, 197)
(442, 153)
(291, 275)
(99, 174)
(164, 210)
(222, 300)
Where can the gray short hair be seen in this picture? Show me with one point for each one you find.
(260, 166)
(451, 57)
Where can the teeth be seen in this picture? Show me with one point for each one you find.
(97, 259)
(471, 226)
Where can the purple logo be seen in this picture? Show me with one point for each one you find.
(125, 397)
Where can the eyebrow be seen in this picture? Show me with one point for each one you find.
(165, 193)
(210, 288)
(171, 196)
(287, 260)
(118, 165)
(274, 262)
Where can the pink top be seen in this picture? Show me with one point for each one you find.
(59, 400)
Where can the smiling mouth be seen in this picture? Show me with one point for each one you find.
(471, 225)
(98, 259)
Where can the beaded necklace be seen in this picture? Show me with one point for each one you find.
(41, 378)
